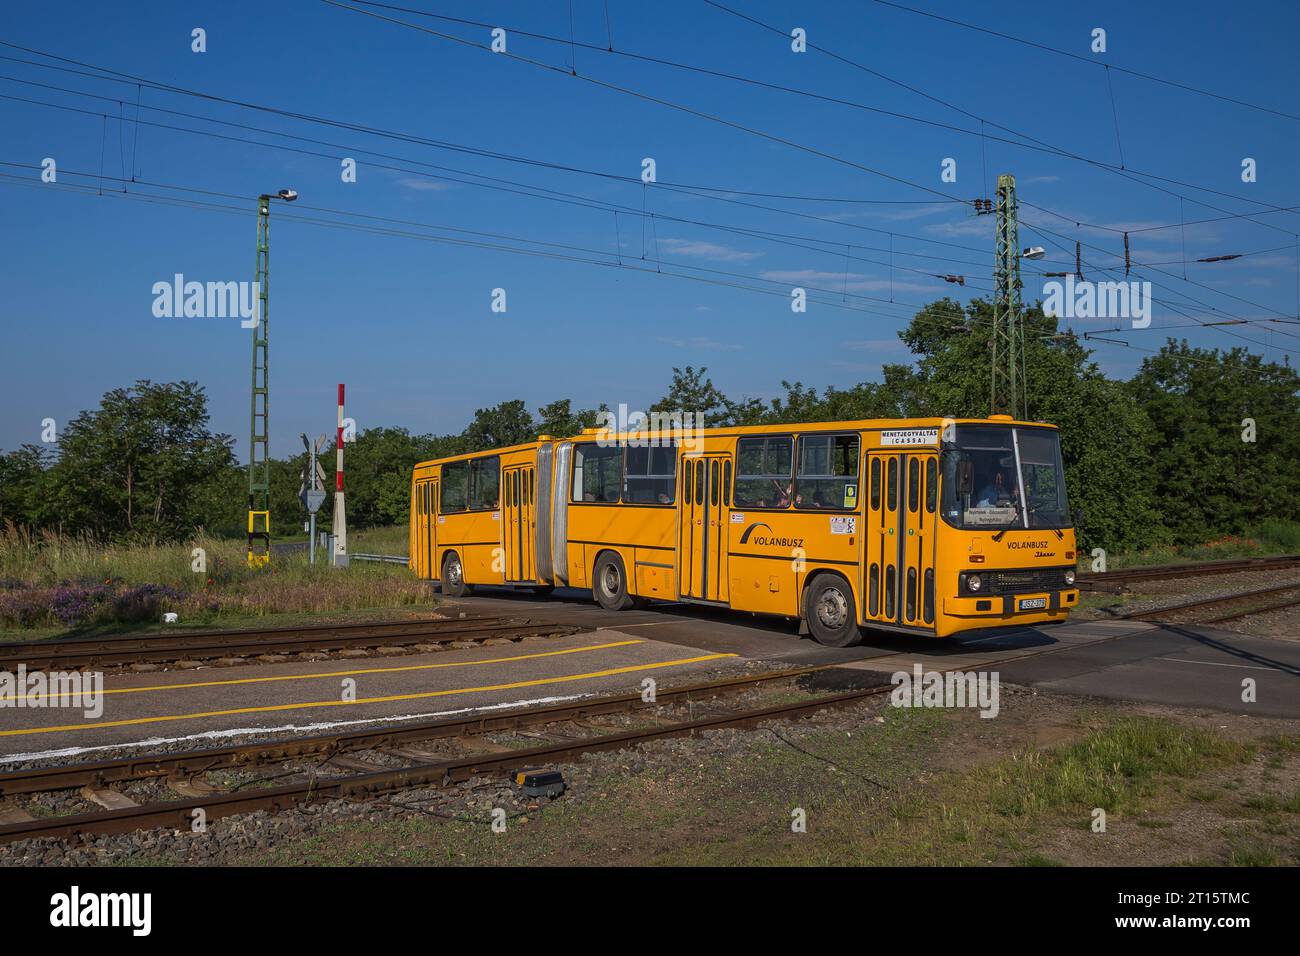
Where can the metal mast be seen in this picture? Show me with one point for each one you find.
(1007, 393)
(259, 466)
(259, 458)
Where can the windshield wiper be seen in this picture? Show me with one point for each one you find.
(1016, 517)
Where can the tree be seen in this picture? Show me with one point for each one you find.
(1205, 405)
(1105, 435)
(131, 466)
(691, 392)
(560, 421)
(24, 492)
(501, 426)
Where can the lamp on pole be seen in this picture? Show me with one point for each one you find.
(259, 465)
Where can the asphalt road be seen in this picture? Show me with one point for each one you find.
(1187, 666)
(1124, 660)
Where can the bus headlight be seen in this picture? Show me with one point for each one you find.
(973, 582)
(1069, 577)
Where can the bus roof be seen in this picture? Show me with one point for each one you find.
(861, 424)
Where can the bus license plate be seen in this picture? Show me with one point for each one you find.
(1033, 604)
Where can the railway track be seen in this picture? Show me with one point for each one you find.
(1115, 580)
(212, 645)
(1237, 606)
(184, 773)
(349, 777)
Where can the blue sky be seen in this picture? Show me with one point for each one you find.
(407, 323)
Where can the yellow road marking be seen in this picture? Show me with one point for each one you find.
(348, 673)
(367, 700)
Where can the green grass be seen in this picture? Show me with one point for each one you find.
(1273, 537)
(877, 802)
(392, 539)
(52, 584)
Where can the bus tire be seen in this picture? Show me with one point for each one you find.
(831, 614)
(609, 583)
(453, 577)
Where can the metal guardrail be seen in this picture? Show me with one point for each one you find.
(385, 558)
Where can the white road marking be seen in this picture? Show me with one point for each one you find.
(1184, 660)
(287, 728)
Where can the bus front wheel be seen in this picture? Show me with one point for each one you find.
(830, 612)
(453, 577)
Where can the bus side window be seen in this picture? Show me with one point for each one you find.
(913, 483)
(713, 482)
(726, 482)
(454, 490)
(931, 485)
(875, 484)
(597, 473)
(891, 485)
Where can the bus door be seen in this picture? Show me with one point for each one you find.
(920, 500)
(898, 571)
(422, 506)
(425, 531)
(705, 504)
(880, 569)
(519, 523)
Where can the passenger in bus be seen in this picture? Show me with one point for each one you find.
(664, 499)
(995, 493)
(782, 495)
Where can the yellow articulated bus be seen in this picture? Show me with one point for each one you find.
(918, 526)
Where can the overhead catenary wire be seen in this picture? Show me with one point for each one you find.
(527, 189)
(761, 232)
(1051, 238)
(662, 101)
(725, 194)
(1032, 142)
(1090, 60)
(389, 226)
(126, 77)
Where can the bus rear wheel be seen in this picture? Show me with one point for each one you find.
(830, 612)
(609, 584)
(453, 577)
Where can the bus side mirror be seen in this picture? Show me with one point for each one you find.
(1078, 517)
(965, 478)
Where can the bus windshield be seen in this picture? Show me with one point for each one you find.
(996, 476)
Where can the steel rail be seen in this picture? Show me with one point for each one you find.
(191, 762)
(1102, 580)
(1159, 613)
(442, 773)
(179, 813)
(72, 654)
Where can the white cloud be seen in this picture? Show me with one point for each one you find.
(700, 342)
(873, 345)
(424, 185)
(705, 250)
(835, 281)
